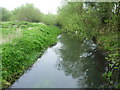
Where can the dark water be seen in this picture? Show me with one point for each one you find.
(71, 63)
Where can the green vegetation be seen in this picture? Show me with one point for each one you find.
(99, 21)
(27, 12)
(19, 54)
(4, 14)
(49, 19)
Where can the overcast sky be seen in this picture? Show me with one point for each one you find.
(45, 6)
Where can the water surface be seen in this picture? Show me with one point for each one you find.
(71, 63)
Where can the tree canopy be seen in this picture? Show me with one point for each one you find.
(27, 12)
(5, 14)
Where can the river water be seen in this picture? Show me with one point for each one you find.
(71, 63)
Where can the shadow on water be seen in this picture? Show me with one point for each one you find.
(82, 61)
(71, 63)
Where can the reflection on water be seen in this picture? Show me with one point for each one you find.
(71, 63)
(82, 61)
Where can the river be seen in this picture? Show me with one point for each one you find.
(71, 63)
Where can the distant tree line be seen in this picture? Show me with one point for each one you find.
(28, 13)
(5, 14)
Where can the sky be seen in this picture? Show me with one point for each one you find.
(45, 6)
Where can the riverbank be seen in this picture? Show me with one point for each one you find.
(21, 52)
(109, 42)
(76, 62)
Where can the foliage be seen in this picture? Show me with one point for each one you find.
(22, 52)
(49, 19)
(93, 20)
(5, 14)
(74, 19)
(27, 12)
(110, 43)
(99, 21)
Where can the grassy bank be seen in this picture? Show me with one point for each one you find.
(21, 52)
(109, 42)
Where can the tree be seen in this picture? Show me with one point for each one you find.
(27, 12)
(75, 18)
(5, 14)
(49, 19)
(99, 21)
